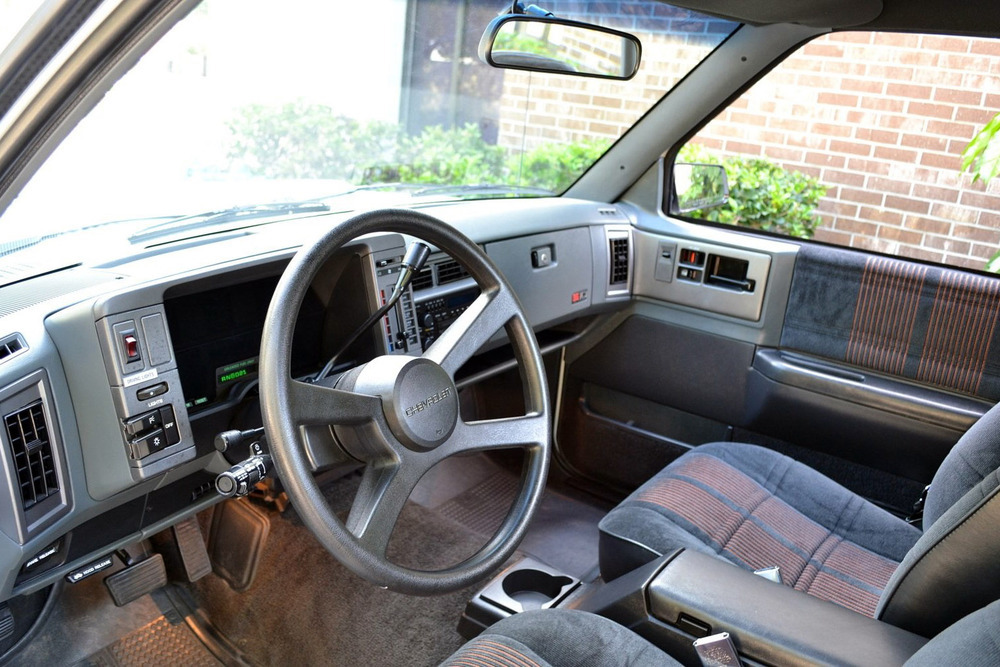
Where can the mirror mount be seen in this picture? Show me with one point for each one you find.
(537, 41)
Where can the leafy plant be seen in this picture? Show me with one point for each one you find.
(555, 166)
(983, 152)
(436, 155)
(300, 140)
(762, 195)
(982, 156)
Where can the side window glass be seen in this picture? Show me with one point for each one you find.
(857, 140)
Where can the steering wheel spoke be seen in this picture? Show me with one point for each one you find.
(384, 490)
(315, 404)
(528, 431)
(463, 337)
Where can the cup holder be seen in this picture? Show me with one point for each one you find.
(528, 584)
(532, 588)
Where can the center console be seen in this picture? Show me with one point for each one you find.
(688, 595)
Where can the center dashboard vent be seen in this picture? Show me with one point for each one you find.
(439, 273)
(31, 451)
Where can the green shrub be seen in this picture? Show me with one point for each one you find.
(762, 195)
(436, 155)
(555, 166)
(300, 140)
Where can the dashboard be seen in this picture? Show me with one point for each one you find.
(115, 377)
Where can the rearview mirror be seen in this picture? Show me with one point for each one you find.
(550, 44)
(698, 186)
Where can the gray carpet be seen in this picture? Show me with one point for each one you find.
(84, 621)
(305, 608)
(563, 533)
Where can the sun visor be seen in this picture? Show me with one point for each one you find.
(814, 13)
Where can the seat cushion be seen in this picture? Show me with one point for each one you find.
(558, 637)
(757, 508)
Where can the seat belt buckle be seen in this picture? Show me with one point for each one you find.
(717, 651)
(917, 513)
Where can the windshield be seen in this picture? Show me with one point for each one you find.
(246, 103)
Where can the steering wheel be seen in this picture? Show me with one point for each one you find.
(399, 414)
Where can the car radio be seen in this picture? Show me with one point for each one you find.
(436, 314)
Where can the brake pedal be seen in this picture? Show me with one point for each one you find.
(137, 580)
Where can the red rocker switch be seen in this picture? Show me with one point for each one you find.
(131, 344)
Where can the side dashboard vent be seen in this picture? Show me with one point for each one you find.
(619, 260)
(31, 451)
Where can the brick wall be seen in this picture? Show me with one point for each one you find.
(881, 120)
(539, 108)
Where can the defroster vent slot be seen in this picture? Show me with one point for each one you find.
(31, 451)
(11, 345)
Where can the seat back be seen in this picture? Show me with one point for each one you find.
(953, 569)
(974, 456)
(974, 640)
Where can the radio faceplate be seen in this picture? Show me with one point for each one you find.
(436, 312)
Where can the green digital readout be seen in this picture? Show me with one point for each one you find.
(236, 371)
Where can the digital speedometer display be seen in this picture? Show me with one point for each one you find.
(217, 335)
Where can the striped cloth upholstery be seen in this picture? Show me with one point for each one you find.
(493, 651)
(756, 509)
(558, 637)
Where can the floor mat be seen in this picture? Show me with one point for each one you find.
(159, 643)
(306, 608)
(562, 534)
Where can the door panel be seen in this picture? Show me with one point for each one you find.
(882, 365)
(929, 324)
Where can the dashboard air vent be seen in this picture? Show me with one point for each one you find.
(449, 272)
(423, 280)
(32, 453)
(619, 261)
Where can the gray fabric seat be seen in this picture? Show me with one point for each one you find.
(757, 508)
(563, 638)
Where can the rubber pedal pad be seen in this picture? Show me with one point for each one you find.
(6, 622)
(137, 580)
(192, 550)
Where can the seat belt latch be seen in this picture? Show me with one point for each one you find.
(917, 513)
(717, 651)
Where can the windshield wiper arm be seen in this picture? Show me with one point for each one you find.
(199, 220)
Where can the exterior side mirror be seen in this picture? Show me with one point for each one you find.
(699, 186)
(550, 44)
